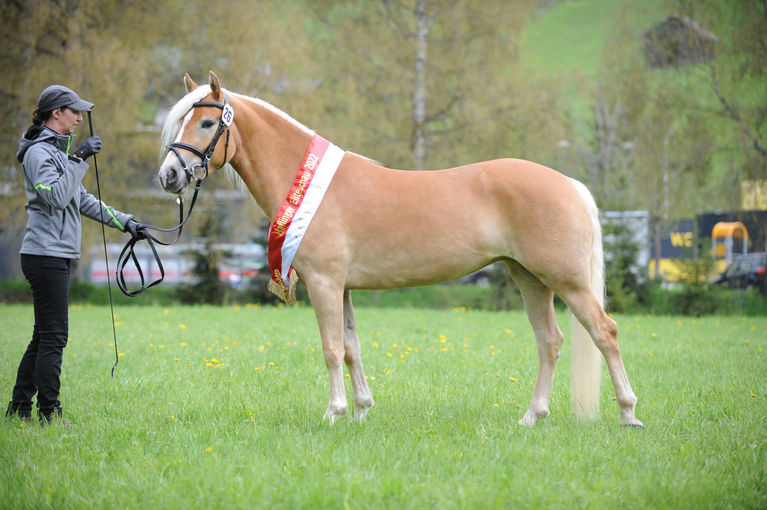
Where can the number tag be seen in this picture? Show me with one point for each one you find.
(228, 115)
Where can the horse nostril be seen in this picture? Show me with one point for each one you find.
(170, 177)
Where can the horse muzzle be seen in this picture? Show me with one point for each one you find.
(173, 179)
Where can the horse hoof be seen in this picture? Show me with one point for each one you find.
(332, 414)
(360, 411)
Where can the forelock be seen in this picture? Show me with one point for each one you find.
(179, 110)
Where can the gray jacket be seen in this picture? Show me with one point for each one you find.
(56, 197)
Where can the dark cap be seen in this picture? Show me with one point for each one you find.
(59, 96)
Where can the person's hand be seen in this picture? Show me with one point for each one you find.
(136, 229)
(89, 147)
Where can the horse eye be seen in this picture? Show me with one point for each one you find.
(207, 124)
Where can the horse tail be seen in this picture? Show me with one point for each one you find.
(586, 366)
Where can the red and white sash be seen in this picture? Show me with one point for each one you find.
(297, 210)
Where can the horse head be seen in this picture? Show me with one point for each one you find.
(196, 135)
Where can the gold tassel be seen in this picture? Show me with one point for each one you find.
(288, 295)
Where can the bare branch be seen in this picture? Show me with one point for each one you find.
(734, 114)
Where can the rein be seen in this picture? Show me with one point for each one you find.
(197, 172)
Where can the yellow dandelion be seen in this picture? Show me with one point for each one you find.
(650, 353)
(176, 359)
(182, 344)
(182, 326)
(654, 335)
(388, 355)
(165, 312)
(209, 449)
(512, 379)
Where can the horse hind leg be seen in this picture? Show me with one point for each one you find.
(604, 332)
(539, 305)
(363, 399)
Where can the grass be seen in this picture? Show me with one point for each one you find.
(221, 408)
(568, 39)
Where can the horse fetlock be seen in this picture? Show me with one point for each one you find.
(361, 409)
(627, 415)
(334, 412)
(533, 415)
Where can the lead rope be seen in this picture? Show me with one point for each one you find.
(106, 258)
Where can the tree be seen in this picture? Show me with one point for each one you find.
(96, 47)
(430, 78)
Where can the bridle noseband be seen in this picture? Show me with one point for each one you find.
(197, 172)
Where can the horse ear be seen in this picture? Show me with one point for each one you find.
(215, 84)
(189, 83)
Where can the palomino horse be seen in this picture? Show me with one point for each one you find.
(378, 228)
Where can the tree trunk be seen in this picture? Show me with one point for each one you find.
(419, 89)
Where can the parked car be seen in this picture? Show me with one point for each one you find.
(745, 272)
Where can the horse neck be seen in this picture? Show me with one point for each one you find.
(270, 150)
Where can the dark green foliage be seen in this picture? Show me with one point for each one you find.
(208, 287)
(625, 290)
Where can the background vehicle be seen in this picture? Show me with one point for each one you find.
(746, 271)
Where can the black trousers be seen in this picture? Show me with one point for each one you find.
(40, 366)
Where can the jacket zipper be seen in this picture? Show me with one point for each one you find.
(63, 223)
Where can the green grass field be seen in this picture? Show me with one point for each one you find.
(222, 408)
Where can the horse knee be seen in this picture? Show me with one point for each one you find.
(334, 357)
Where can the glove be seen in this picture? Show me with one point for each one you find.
(136, 229)
(89, 147)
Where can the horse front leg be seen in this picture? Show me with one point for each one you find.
(328, 308)
(363, 399)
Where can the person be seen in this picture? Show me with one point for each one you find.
(56, 201)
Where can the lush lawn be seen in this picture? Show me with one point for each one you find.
(221, 408)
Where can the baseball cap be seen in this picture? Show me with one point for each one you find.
(58, 96)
